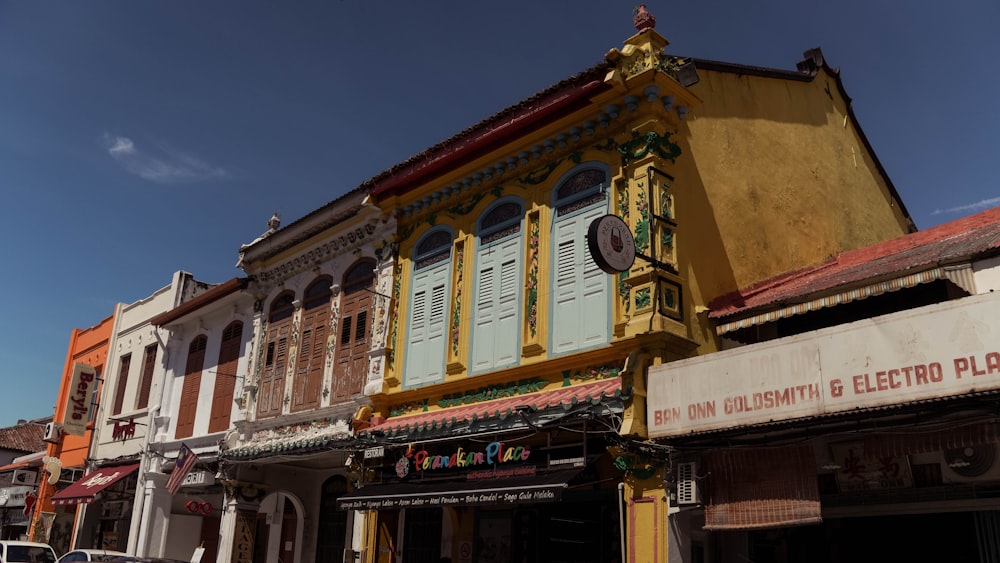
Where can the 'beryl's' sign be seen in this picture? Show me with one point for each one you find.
(78, 405)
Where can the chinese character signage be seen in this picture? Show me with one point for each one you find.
(857, 471)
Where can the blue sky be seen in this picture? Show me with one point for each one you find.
(141, 138)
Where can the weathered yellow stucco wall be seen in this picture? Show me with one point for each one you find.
(775, 177)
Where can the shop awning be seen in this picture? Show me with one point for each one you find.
(559, 397)
(86, 489)
(527, 489)
(23, 461)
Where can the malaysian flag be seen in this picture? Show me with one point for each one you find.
(185, 461)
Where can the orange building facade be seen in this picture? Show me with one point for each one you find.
(69, 435)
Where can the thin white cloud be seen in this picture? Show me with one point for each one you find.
(978, 206)
(167, 166)
(122, 145)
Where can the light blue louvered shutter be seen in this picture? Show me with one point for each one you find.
(580, 309)
(427, 334)
(594, 290)
(495, 337)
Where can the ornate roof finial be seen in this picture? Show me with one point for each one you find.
(274, 222)
(643, 20)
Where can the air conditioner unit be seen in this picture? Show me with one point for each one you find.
(53, 432)
(971, 464)
(24, 477)
(687, 485)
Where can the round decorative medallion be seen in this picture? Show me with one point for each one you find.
(402, 467)
(611, 244)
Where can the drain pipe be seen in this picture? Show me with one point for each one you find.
(621, 520)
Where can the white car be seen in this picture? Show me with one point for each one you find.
(26, 552)
(89, 555)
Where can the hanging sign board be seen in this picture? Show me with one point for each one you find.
(611, 244)
(78, 405)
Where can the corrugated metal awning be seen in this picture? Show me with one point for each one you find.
(959, 275)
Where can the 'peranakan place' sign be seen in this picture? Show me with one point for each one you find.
(941, 350)
(495, 452)
(81, 389)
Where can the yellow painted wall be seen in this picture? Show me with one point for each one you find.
(777, 179)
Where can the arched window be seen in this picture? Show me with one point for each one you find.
(307, 384)
(351, 354)
(271, 389)
(225, 377)
(580, 304)
(496, 322)
(427, 331)
(188, 406)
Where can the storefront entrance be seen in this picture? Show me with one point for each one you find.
(567, 531)
(970, 537)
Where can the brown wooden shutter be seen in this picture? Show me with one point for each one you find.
(225, 377)
(308, 381)
(148, 365)
(271, 387)
(122, 383)
(300, 379)
(317, 358)
(272, 380)
(351, 356)
(189, 390)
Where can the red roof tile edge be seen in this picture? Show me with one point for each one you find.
(488, 409)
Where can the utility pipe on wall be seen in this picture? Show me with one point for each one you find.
(621, 520)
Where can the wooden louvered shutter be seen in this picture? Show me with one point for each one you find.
(580, 310)
(351, 354)
(595, 292)
(317, 357)
(225, 377)
(148, 366)
(271, 387)
(272, 380)
(301, 376)
(426, 351)
(121, 384)
(497, 305)
(307, 382)
(352, 343)
(188, 407)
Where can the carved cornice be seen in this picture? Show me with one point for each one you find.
(335, 246)
(535, 164)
